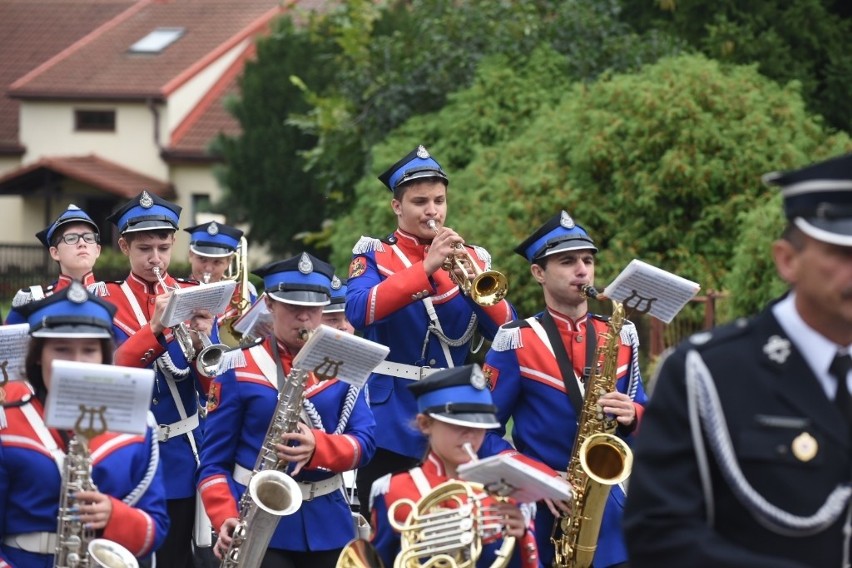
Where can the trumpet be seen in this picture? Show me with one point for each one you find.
(486, 288)
(181, 332)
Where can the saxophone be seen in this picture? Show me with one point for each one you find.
(76, 545)
(271, 493)
(599, 460)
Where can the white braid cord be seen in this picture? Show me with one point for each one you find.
(715, 427)
(468, 333)
(631, 338)
(166, 362)
(153, 460)
(345, 413)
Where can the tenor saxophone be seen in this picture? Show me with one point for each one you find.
(76, 545)
(271, 493)
(599, 458)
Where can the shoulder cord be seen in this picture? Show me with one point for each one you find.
(702, 393)
(631, 338)
(345, 413)
(153, 460)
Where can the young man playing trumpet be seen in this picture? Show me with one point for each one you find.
(399, 296)
(147, 225)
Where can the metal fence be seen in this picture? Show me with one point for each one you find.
(23, 265)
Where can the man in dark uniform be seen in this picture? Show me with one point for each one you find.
(744, 457)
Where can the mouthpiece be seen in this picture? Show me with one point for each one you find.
(304, 334)
(590, 291)
(432, 225)
(469, 449)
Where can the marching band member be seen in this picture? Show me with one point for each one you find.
(129, 505)
(745, 453)
(73, 242)
(338, 436)
(542, 390)
(399, 296)
(147, 224)
(454, 409)
(334, 314)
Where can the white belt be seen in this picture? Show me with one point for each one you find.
(166, 431)
(403, 371)
(310, 489)
(35, 542)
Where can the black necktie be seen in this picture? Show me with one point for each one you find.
(839, 369)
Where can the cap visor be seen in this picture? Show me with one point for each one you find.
(150, 226)
(74, 331)
(571, 244)
(334, 308)
(213, 252)
(834, 231)
(300, 298)
(472, 420)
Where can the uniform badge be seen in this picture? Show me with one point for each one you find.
(77, 293)
(146, 201)
(490, 373)
(804, 447)
(777, 349)
(213, 397)
(422, 153)
(305, 264)
(477, 379)
(701, 337)
(213, 229)
(336, 283)
(357, 267)
(565, 220)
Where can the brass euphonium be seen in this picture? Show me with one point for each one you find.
(599, 460)
(486, 288)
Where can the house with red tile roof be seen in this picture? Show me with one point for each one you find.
(104, 98)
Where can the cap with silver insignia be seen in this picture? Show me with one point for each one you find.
(214, 240)
(71, 312)
(418, 164)
(338, 297)
(456, 396)
(72, 214)
(303, 280)
(146, 212)
(558, 234)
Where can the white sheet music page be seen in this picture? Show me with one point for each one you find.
(88, 395)
(14, 341)
(509, 477)
(336, 354)
(184, 301)
(257, 321)
(644, 288)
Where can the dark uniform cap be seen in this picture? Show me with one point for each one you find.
(146, 212)
(558, 234)
(303, 280)
(71, 215)
(338, 297)
(456, 396)
(214, 239)
(72, 312)
(418, 164)
(818, 199)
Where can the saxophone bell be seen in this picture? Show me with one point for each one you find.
(104, 553)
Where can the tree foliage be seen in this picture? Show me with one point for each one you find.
(657, 164)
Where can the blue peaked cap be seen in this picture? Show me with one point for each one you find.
(72, 214)
(71, 312)
(303, 280)
(214, 239)
(457, 396)
(146, 212)
(418, 164)
(818, 199)
(338, 297)
(558, 234)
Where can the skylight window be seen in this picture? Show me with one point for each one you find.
(157, 40)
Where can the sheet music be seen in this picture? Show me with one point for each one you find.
(345, 356)
(645, 288)
(509, 477)
(14, 341)
(123, 392)
(257, 321)
(184, 301)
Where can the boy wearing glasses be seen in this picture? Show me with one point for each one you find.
(73, 242)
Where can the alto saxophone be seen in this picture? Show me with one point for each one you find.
(76, 545)
(599, 458)
(270, 493)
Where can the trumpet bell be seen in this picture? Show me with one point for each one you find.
(488, 288)
(210, 359)
(105, 553)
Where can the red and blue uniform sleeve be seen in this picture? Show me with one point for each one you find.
(351, 449)
(4, 495)
(503, 375)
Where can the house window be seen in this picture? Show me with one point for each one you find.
(157, 40)
(94, 120)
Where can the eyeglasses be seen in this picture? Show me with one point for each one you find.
(74, 238)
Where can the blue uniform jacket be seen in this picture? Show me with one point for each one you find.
(240, 408)
(30, 482)
(383, 300)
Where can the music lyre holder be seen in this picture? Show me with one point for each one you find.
(89, 431)
(328, 369)
(3, 366)
(635, 300)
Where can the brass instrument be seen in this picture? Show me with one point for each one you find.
(599, 460)
(359, 553)
(181, 331)
(76, 545)
(486, 288)
(239, 272)
(271, 493)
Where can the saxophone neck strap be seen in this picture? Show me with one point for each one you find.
(572, 387)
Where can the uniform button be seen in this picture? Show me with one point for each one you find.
(432, 362)
(579, 339)
(425, 293)
(150, 300)
(414, 297)
(143, 360)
